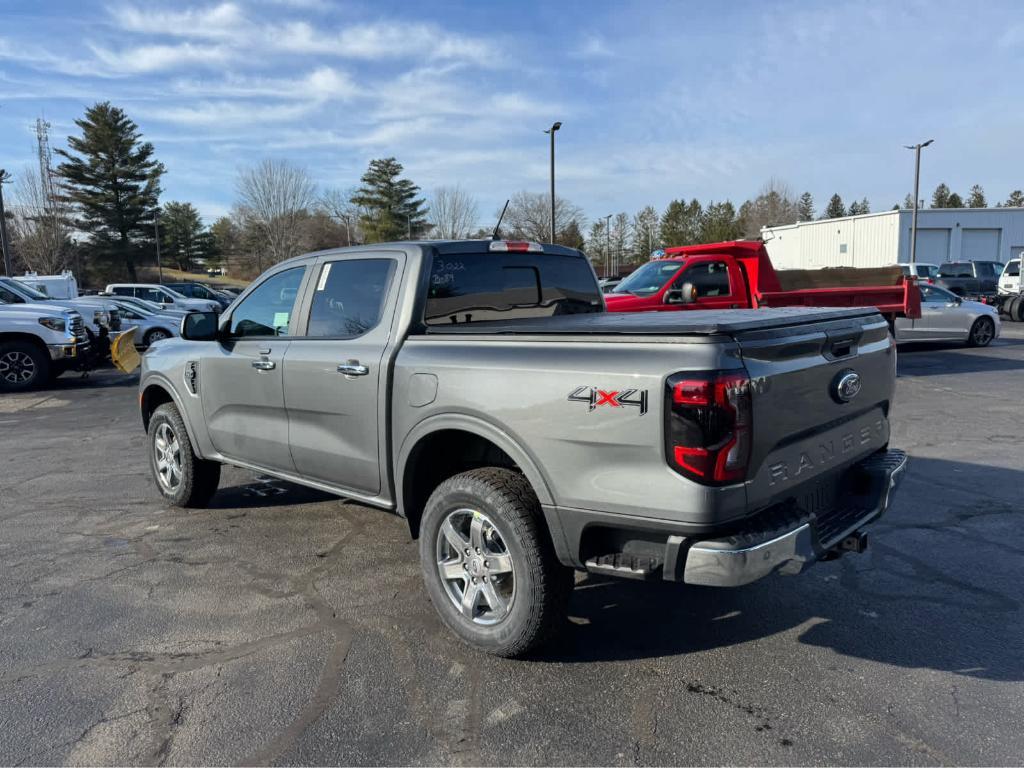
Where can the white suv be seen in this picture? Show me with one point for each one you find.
(161, 294)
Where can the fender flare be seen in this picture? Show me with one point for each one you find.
(161, 381)
(481, 428)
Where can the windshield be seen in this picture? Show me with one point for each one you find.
(955, 270)
(22, 289)
(1012, 269)
(649, 279)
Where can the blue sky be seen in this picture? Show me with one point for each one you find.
(657, 100)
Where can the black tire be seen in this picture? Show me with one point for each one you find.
(1018, 309)
(148, 339)
(23, 366)
(982, 332)
(198, 478)
(537, 609)
(1009, 307)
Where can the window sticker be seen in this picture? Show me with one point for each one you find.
(281, 319)
(323, 277)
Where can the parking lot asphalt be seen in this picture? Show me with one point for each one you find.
(288, 626)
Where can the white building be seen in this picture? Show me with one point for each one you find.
(880, 239)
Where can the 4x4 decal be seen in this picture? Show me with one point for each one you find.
(597, 398)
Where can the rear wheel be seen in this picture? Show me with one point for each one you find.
(183, 479)
(490, 568)
(23, 365)
(982, 332)
(1018, 309)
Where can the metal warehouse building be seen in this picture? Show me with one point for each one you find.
(880, 239)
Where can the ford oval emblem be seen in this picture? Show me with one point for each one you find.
(846, 386)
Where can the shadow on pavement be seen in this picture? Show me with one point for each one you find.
(945, 361)
(920, 597)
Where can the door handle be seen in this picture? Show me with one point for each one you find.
(264, 365)
(353, 368)
(265, 351)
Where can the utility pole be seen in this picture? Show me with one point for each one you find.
(156, 232)
(8, 269)
(554, 127)
(917, 184)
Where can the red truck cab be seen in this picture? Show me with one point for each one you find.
(739, 275)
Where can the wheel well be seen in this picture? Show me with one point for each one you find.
(437, 457)
(152, 398)
(27, 337)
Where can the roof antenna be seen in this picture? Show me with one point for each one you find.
(497, 227)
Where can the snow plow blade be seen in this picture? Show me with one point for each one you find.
(123, 354)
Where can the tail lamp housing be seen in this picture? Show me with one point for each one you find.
(708, 434)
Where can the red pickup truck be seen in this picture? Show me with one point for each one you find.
(739, 275)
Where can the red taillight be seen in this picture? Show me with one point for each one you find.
(708, 435)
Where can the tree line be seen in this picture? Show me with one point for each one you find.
(98, 209)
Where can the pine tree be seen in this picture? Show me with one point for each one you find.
(954, 201)
(680, 224)
(181, 230)
(805, 208)
(111, 177)
(908, 202)
(719, 223)
(391, 208)
(835, 209)
(977, 197)
(571, 236)
(1015, 200)
(646, 237)
(940, 197)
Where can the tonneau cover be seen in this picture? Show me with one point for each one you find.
(702, 322)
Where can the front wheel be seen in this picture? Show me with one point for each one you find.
(490, 568)
(23, 366)
(982, 332)
(155, 335)
(183, 479)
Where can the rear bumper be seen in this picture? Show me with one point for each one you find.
(784, 538)
(789, 545)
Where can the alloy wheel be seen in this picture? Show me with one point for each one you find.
(476, 568)
(168, 458)
(17, 367)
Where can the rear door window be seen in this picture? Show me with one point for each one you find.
(349, 297)
(471, 287)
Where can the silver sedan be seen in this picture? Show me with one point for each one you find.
(947, 317)
(151, 327)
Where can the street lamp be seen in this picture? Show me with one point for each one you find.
(917, 184)
(608, 246)
(8, 270)
(554, 127)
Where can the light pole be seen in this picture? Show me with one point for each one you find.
(8, 270)
(917, 185)
(554, 127)
(608, 246)
(156, 234)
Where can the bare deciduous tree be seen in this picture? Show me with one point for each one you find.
(339, 206)
(529, 216)
(273, 199)
(453, 212)
(41, 225)
(775, 204)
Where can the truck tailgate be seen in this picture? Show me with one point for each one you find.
(820, 396)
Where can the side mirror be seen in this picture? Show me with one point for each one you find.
(685, 295)
(200, 326)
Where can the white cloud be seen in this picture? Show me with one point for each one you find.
(153, 58)
(219, 21)
(230, 113)
(323, 83)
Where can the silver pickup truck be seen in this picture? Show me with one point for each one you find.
(480, 390)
